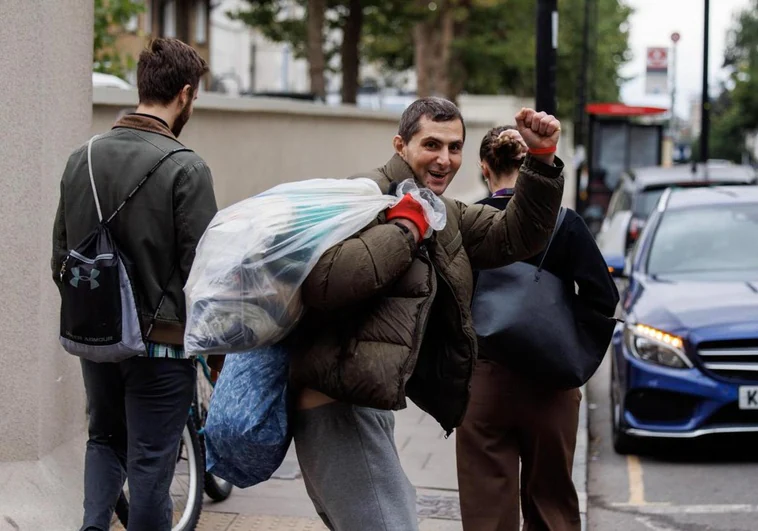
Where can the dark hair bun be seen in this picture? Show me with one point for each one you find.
(505, 147)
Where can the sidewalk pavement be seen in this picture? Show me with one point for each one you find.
(428, 458)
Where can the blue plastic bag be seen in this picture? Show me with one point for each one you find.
(246, 433)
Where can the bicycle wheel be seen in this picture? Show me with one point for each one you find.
(216, 488)
(186, 486)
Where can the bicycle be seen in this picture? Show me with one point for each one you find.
(190, 478)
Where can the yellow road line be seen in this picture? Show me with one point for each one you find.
(636, 485)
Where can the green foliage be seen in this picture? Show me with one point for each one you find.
(742, 56)
(278, 24)
(609, 50)
(271, 18)
(494, 46)
(735, 111)
(111, 16)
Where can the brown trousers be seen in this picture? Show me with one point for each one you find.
(509, 417)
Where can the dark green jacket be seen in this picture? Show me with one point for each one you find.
(387, 319)
(158, 229)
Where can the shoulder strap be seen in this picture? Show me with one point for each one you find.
(133, 192)
(558, 223)
(92, 178)
(143, 181)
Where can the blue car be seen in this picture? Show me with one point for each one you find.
(685, 361)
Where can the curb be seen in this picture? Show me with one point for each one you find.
(581, 455)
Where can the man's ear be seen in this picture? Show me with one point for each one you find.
(186, 95)
(399, 144)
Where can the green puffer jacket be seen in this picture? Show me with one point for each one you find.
(387, 319)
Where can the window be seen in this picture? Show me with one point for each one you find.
(132, 25)
(621, 200)
(646, 202)
(169, 19)
(201, 22)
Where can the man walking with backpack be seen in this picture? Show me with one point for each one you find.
(139, 191)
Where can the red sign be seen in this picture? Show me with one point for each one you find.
(657, 59)
(619, 109)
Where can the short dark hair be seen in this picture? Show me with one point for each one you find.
(501, 153)
(436, 109)
(165, 67)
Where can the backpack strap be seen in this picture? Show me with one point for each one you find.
(92, 178)
(160, 303)
(133, 192)
(143, 181)
(558, 223)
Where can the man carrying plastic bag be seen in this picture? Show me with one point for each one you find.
(388, 316)
(244, 288)
(244, 293)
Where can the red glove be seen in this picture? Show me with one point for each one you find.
(410, 209)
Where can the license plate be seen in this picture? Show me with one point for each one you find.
(749, 397)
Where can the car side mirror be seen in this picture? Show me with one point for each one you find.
(616, 266)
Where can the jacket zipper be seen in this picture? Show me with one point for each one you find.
(424, 311)
(472, 345)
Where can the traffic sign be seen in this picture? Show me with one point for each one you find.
(657, 59)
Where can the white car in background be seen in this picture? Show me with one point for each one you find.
(637, 195)
(108, 80)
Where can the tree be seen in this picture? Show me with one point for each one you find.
(111, 17)
(315, 47)
(734, 113)
(742, 57)
(309, 37)
(350, 52)
(488, 46)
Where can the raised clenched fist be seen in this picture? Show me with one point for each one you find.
(540, 130)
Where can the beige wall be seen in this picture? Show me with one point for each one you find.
(254, 144)
(45, 112)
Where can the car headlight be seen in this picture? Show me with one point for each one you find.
(655, 346)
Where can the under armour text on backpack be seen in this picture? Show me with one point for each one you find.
(99, 317)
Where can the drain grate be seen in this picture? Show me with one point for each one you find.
(441, 507)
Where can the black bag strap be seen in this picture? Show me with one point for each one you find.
(160, 303)
(133, 192)
(558, 223)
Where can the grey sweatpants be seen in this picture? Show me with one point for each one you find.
(351, 468)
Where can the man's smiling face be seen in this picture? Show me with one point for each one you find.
(434, 153)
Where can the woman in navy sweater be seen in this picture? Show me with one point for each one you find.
(511, 416)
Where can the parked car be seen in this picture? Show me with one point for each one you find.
(685, 361)
(638, 193)
(108, 80)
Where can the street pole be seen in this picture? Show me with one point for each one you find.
(580, 131)
(706, 105)
(547, 46)
(672, 126)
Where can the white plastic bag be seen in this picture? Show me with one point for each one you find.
(243, 291)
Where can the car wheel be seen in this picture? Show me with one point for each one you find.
(623, 444)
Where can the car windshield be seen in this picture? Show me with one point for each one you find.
(713, 242)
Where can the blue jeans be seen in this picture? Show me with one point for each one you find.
(137, 411)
